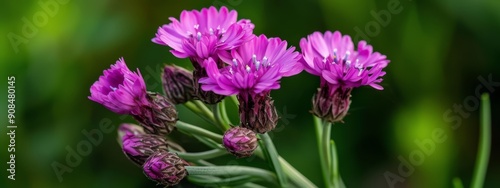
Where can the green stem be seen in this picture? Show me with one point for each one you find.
(484, 144)
(334, 168)
(210, 154)
(201, 110)
(457, 183)
(192, 129)
(295, 176)
(235, 100)
(232, 171)
(321, 138)
(224, 113)
(218, 117)
(272, 153)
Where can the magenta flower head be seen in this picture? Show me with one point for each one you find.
(139, 146)
(119, 89)
(332, 57)
(240, 141)
(202, 34)
(199, 35)
(252, 72)
(165, 168)
(123, 91)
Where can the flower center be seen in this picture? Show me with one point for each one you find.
(199, 33)
(344, 61)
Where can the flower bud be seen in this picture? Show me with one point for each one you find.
(138, 147)
(165, 168)
(159, 117)
(177, 84)
(331, 104)
(240, 141)
(128, 129)
(257, 112)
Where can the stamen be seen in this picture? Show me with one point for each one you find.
(231, 70)
(196, 26)
(198, 36)
(335, 55)
(264, 61)
(211, 31)
(359, 73)
(346, 55)
(254, 58)
(247, 68)
(113, 88)
(257, 65)
(235, 62)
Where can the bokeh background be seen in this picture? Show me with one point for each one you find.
(438, 49)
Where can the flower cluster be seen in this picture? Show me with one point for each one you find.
(199, 35)
(332, 57)
(228, 60)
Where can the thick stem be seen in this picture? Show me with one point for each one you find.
(323, 151)
(232, 171)
(192, 129)
(483, 153)
(204, 155)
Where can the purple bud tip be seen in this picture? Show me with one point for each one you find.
(240, 141)
(119, 89)
(139, 146)
(128, 129)
(165, 168)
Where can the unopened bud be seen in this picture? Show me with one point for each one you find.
(177, 84)
(159, 117)
(165, 168)
(138, 147)
(331, 104)
(257, 112)
(240, 141)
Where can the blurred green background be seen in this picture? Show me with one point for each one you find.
(438, 49)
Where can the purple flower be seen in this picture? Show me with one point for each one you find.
(253, 70)
(341, 68)
(123, 91)
(139, 146)
(165, 168)
(119, 89)
(240, 141)
(202, 34)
